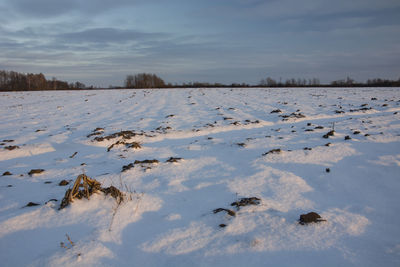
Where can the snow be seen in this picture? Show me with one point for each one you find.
(222, 137)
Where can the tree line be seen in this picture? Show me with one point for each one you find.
(145, 80)
(314, 82)
(16, 81)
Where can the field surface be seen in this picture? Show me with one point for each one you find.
(182, 157)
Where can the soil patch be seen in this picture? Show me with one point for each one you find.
(35, 171)
(11, 147)
(63, 183)
(128, 134)
(32, 204)
(228, 211)
(134, 145)
(127, 167)
(328, 134)
(144, 163)
(273, 151)
(311, 217)
(173, 160)
(246, 202)
(97, 131)
(293, 115)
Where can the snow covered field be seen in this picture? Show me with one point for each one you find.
(233, 144)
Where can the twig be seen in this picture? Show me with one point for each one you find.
(139, 199)
(62, 244)
(113, 216)
(70, 241)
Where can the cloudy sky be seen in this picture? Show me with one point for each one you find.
(99, 42)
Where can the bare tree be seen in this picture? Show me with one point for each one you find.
(144, 80)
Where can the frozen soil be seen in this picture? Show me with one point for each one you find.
(190, 152)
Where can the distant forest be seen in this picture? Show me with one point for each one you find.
(15, 81)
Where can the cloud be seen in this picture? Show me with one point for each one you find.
(43, 7)
(109, 35)
(53, 8)
(295, 8)
(223, 41)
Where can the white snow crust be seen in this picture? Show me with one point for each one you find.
(226, 140)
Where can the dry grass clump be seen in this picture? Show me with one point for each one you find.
(89, 187)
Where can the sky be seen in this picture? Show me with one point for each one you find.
(99, 42)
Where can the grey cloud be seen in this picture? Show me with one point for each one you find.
(273, 11)
(109, 35)
(52, 8)
(318, 7)
(43, 7)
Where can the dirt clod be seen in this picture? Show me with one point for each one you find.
(50, 200)
(35, 171)
(32, 204)
(230, 212)
(127, 134)
(97, 131)
(114, 192)
(11, 147)
(63, 183)
(273, 151)
(134, 145)
(293, 115)
(246, 202)
(328, 134)
(173, 160)
(146, 161)
(311, 217)
(127, 167)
